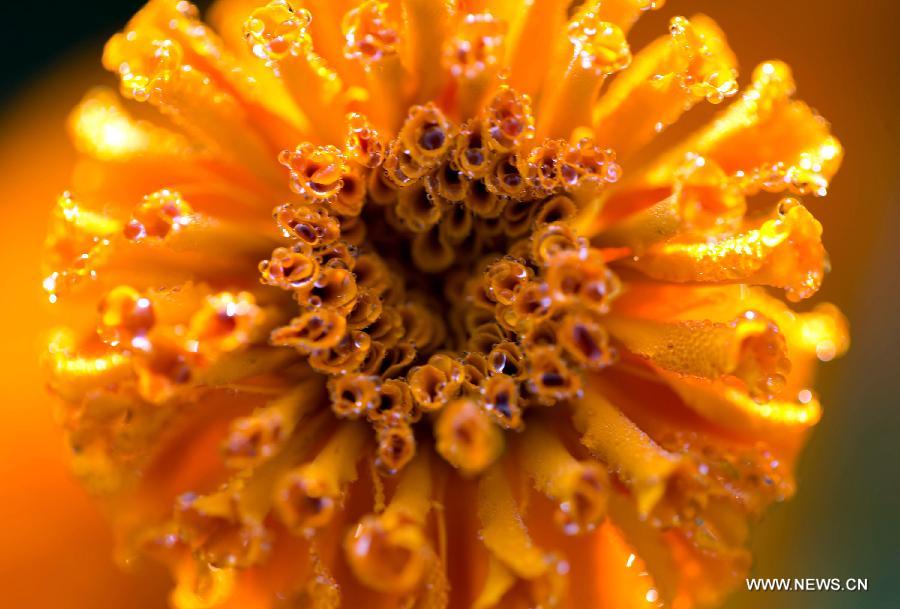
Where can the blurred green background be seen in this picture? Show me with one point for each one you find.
(845, 520)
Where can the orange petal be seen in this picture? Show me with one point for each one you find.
(784, 250)
(665, 80)
(623, 446)
(766, 140)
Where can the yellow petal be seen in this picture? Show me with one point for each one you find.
(623, 446)
(503, 531)
(665, 80)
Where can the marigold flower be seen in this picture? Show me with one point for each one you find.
(392, 312)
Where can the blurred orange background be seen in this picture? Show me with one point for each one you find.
(55, 551)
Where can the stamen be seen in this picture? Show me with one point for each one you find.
(506, 179)
(290, 269)
(256, 438)
(312, 331)
(585, 340)
(125, 317)
(473, 56)
(276, 31)
(369, 36)
(418, 209)
(518, 218)
(466, 438)
(159, 214)
(508, 122)
(211, 526)
(353, 395)
(364, 144)
(163, 366)
(471, 153)
(372, 273)
(225, 322)
(581, 277)
(426, 135)
(334, 289)
(449, 183)
(555, 209)
(586, 168)
(484, 203)
(550, 379)
(532, 304)
(366, 310)
(316, 171)
(308, 496)
(396, 404)
(501, 400)
(436, 383)
(389, 552)
(424, 328)
(372, 40)
(400, 167)
(551, 241)
(504, 278)
(430, 253)
(396, 446)
(348, 355)
(580, 488)
(507, 358)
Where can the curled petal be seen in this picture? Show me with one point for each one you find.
(750, 348)
(766, 140)
(732, 408)
(783, 251)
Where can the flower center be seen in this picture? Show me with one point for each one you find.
(443, 267)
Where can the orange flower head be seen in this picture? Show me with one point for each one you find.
(392, 305)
